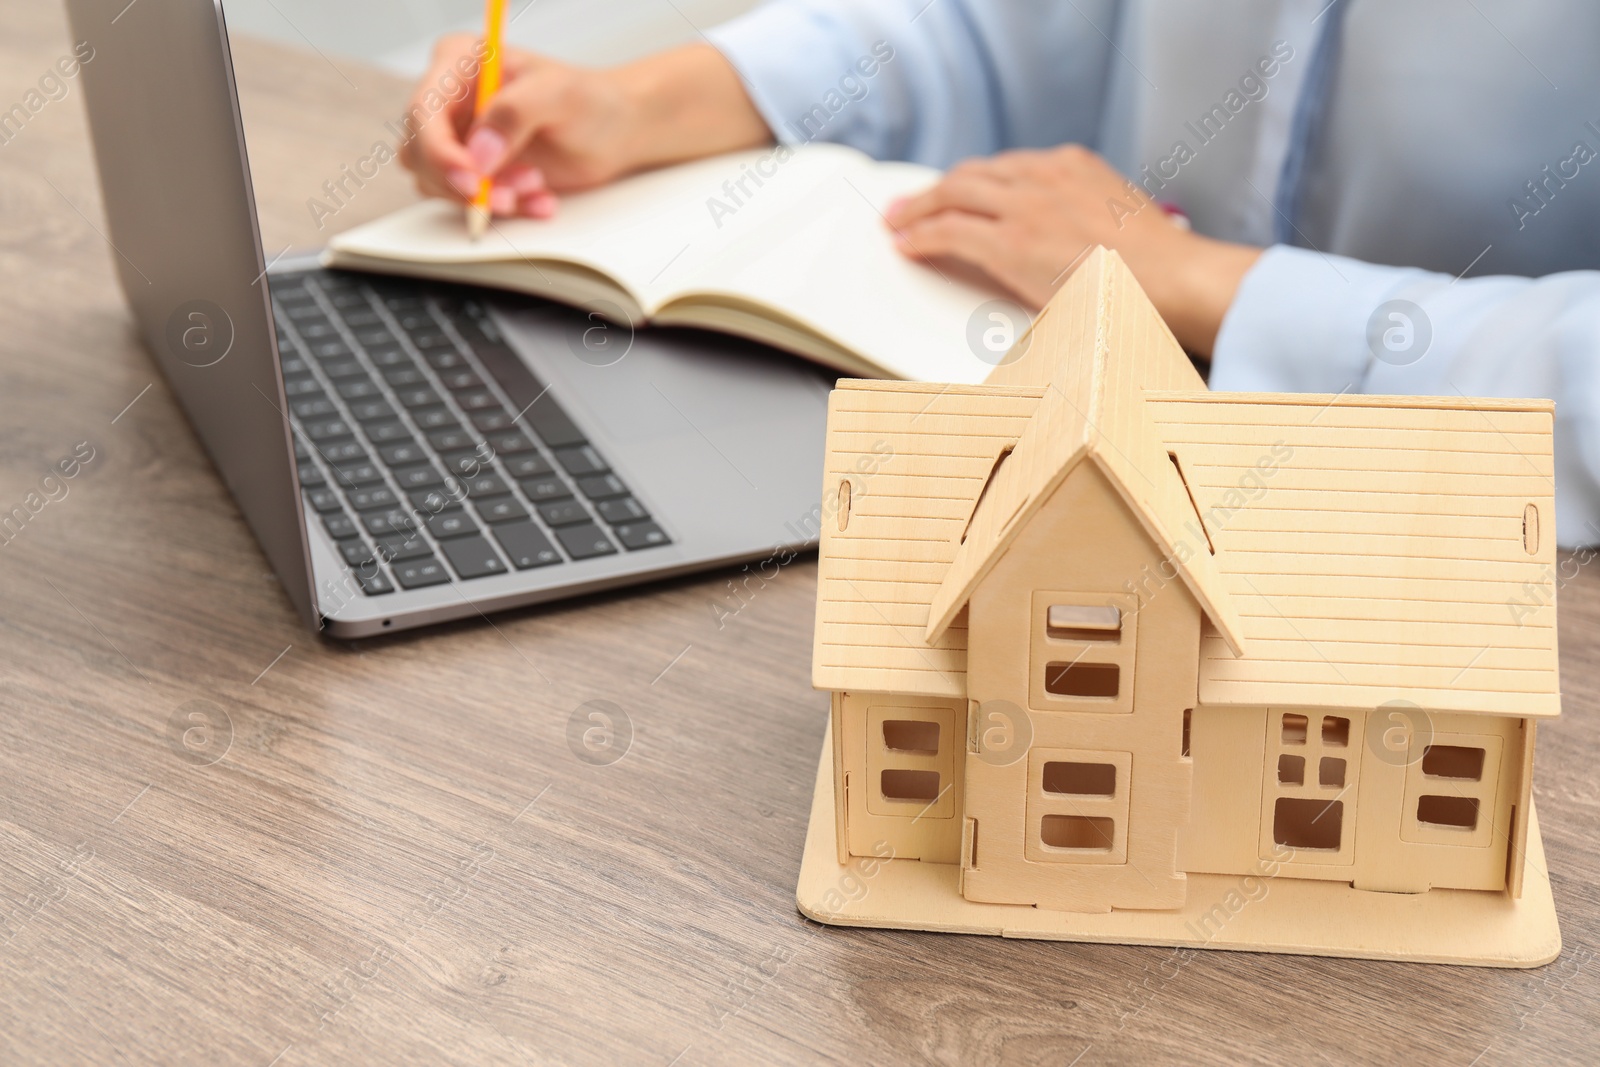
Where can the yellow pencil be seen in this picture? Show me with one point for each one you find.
(494, 19)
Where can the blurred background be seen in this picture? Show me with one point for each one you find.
(398, 34)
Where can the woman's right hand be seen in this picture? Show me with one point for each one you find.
(554, 128)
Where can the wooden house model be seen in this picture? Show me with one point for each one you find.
(1107, 651)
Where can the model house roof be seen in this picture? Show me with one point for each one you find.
(1381, 554)
(1093, 408)
(1367, 549)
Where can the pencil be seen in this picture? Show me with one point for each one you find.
(494, 19)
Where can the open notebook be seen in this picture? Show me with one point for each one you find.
(802, 260)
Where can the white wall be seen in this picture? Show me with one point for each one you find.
(397, 34)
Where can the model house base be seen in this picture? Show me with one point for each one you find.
(1262, 912)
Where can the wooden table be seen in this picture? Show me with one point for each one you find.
(389, 853)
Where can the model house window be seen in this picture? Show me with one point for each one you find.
(911, 761)
(1097, 681)
(1451, 791)
(1083, 622)
(1082, 653)
(1304, 822)
(1309, 800)
(1453, 761)
(1459, 812)
(1080, 779)
(1078, 832)
(901, 784)
(1077, 807)
(911, 735)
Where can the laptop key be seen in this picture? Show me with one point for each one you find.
(435, 419)
(326, 429)
(563, 513)
(387, 356)
(416, 573)
(449, 524)
(372, 581)
(623, 510)
(581, 461)
(389, 521)
(641, 535)
(435, 499)
(339, 526)
(482, 485)
(444, 359)
(477, 400)
(457, 380)
(311, 477)
(473, 557)
(586, 541)
(358, 389)
(492, 421)
(377, 497)
(344, 368)
(526, 544)
(520, 467)
(324, 500)
(346, 451)
(451, 440)
(420, 397)
(383, 433)
(301, 385)
(314, 407)
(602, 486)
(510, 444)
(501, 509)
(400, 377)
(551, 488)
(464, 464)
(403, 453)
(398, 547)
(350, 475)
(371, 410)
(416, 477)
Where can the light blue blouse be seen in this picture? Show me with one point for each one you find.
(1443, 155)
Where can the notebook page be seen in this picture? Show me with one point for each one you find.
(647, 231)
(830, 262)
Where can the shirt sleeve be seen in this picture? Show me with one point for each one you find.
(1307, 322)
(931, 81)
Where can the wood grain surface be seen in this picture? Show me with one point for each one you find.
(226, 841)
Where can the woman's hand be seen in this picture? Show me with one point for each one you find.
(1025, 217)
(554, 128)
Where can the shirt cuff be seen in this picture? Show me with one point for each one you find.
(786, 54)
(1299, 323)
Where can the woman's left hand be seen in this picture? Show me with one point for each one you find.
(1025, 217)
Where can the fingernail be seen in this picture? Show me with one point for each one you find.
(524, 179)
(463, 181)
(502, 200)
(539, 206)
(487, 148)
(895, 207)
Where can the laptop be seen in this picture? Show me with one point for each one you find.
(407, 452)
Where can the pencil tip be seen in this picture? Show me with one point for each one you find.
(477, 222)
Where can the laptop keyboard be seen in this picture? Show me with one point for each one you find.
(429, 451)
